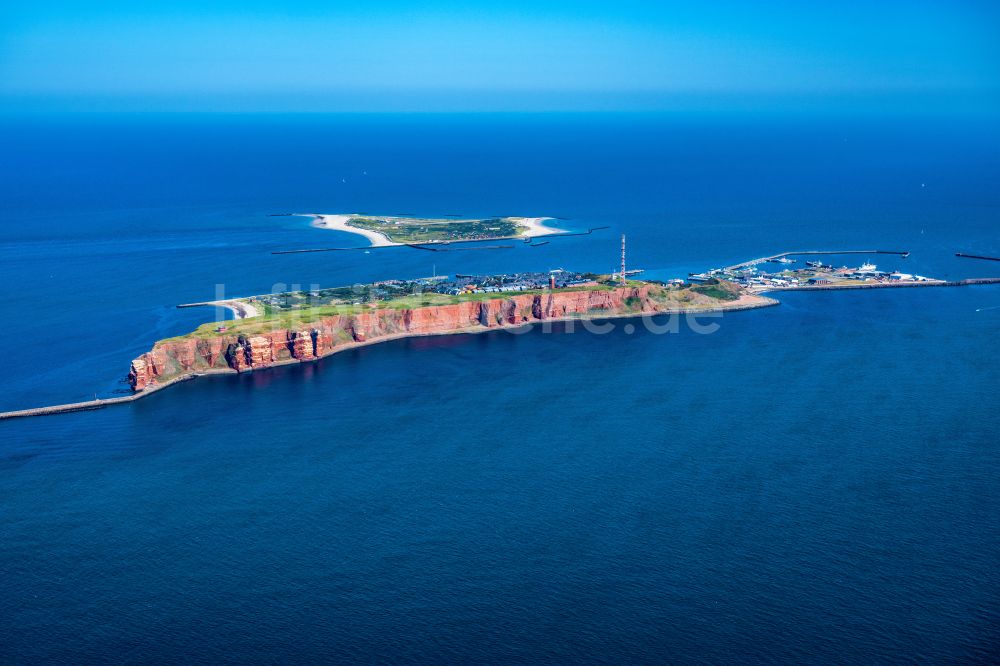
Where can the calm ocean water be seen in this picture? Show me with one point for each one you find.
(814, 482)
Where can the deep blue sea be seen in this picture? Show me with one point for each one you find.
(815, 482)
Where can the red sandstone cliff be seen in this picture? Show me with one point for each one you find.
(174, 358)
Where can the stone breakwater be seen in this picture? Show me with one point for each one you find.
(171, 359)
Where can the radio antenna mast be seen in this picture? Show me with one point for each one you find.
(623, 259)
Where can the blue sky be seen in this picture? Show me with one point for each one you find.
(450, 55)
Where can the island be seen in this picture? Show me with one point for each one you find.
(297, 327)
(384, 230)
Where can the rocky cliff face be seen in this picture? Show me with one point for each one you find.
(173, 358)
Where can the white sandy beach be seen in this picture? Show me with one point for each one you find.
(339, 223)
(535, 227)
(240, 309)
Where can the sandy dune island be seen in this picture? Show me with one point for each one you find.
(530, 227)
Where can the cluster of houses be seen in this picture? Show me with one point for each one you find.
(555, 279)
(464, 284)
(384, 290)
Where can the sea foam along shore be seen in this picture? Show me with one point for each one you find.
(535, 226)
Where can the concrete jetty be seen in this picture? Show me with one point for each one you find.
(976, 256)
(90, 405)
(885, 285)
(70, 407)
(754, 262)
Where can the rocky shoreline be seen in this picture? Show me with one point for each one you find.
(182, 359)
(232, 353)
